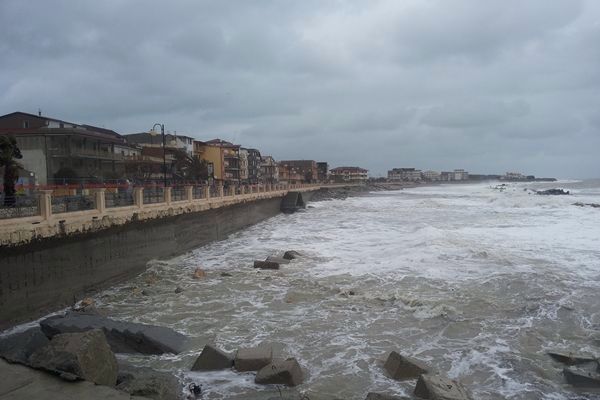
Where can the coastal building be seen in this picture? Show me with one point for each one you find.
(404, 174)
(54, 150)
(322, 171)
(431, 176)
(269, 170)
(460, 175)
(222, 157)
(243, 165)
(154, 139)
(254, 166)
(297, 171)
(349, 175)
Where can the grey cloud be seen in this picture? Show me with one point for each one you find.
(486, 85)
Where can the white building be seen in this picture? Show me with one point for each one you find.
(431, 175)
(404, 174)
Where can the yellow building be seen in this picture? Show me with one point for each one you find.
(223, 159)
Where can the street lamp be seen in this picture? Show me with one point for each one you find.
(162, 132)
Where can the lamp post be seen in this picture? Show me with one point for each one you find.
(162, 132)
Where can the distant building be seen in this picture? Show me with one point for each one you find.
(322, 171)
(431, 176)
(349, 175)
(404, 174)
(53, 148)
(269, 170)
(460, 175)
(297, 171)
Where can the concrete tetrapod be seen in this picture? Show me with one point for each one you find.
(253, 359)
(401, 367)
(436, 387)
(212, 359)
(287, 372)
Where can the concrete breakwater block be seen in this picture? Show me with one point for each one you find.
(212, 359)
(572, 358)
(381, 396)
(266, 264)
(123, 337)
(82, 355)
(17, 348)
(401, 367)
(291, 255)
(143, 381)
(253, 359)
(583, 376)
(437, 387)
(287, 372)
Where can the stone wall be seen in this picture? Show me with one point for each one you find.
(50, 273)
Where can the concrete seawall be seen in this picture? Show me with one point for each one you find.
(50, 273)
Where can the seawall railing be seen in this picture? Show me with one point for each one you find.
(49, 214)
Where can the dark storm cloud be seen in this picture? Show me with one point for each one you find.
(485, 85)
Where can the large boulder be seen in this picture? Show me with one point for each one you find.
(277, 394)
(17, 348)
(585, 376)
(401, 367)
(253, 359)
(82, 355)
(381, 396)
(572, 358)
(123, 337)
(291, 255)
(212, 359)
(287, 372)
(266, 264)
(147, 382)
(437, 387)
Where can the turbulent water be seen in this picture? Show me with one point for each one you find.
(478, 282)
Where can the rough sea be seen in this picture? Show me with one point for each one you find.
(478, 282)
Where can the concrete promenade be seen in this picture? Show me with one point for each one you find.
(20, 231)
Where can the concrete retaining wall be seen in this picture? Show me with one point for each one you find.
(51, 273)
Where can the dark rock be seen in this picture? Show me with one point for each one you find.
(381, 396)
(277, 260)
(178, 289)
(553, 192)
(401, 367)
(583, 376)
(211, 359)
(572, 359)
(84, 355)
(291, 255)
(436, 387)
(146, 292)
(287, 372)
(278, 394)
(253, 359)
(17, 348)
(266, 265)
(147, 382)
(226, 274)
(123, 337)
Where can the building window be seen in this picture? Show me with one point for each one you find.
(25, 124)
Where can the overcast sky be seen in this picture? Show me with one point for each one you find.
(490, 86)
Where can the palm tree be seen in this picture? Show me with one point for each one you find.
(9, 153)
